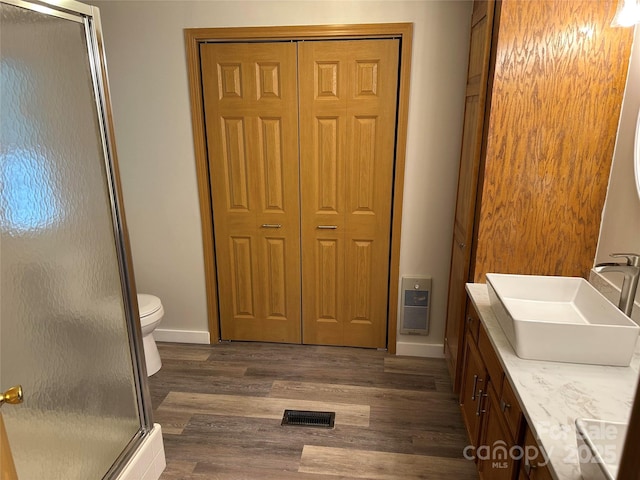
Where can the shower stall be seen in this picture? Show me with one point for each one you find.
(70, 339)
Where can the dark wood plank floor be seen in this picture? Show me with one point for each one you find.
(220, 409)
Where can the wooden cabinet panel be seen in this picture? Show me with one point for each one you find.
(499, 422)
(539, 473)
(454, 329)
(473, 321)
(498, 464)
(469, 159)
(533, 175)
(474, 385)
(510, 408)
(548, 148)
(490, 360)
(534, 465)
(477, 77)
(493, 415)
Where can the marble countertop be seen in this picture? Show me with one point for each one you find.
(554, 394)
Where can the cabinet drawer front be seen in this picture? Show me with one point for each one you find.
(490, 360)
(511, 409)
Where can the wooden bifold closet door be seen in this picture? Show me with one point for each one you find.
(251, 115)
(302, 219)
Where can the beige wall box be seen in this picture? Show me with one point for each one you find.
(416, 301)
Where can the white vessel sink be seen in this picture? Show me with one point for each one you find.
(562, 319)
(600, 446)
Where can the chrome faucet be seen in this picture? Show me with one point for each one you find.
(631, 272)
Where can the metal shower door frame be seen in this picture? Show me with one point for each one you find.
(90, 17)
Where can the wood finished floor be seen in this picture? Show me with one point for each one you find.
(220, 409)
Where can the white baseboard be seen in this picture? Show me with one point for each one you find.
(420, 349)
(200, 337)
(181, 336)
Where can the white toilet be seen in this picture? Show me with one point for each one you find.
(151, 313)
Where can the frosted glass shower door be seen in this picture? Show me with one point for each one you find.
(65, 316)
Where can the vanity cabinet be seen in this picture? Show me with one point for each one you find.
(492, 414)
(535, 156)
(489, 408)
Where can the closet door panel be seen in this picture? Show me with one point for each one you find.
(270, 153)
(322, 181)
(348, 95)
(242, 278)
(327, 291)
(250, 97)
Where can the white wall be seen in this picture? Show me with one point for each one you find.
(147, 70)
(620, 228)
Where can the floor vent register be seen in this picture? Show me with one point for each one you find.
(303, 418)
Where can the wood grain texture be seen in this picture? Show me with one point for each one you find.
(220, 423)
(261, 407)
(470, 159)
(348, 98)
(179, 469)
(329, 392)
(380, 465)
(435, 370)
(252, 134)
(560, 73)
(192, 47)
(194, 37)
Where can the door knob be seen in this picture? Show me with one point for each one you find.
(12, 396)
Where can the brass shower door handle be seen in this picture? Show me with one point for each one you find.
(12, 396)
